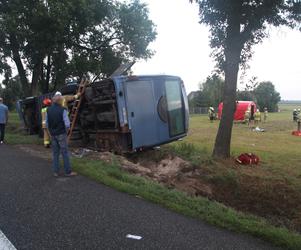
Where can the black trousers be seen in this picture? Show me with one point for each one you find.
(2, 131)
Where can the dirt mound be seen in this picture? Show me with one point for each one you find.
(170, 167)
(170, 171)
(131, 167)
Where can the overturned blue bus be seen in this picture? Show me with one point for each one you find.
(123, 113)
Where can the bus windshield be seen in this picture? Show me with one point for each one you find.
(175, 108)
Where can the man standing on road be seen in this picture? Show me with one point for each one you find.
(3, 119)
(58, 123)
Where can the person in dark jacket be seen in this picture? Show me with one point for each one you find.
(58, 124)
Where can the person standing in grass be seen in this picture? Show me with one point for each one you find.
(247, 117)
(257, 117)
(58, 123)
(211, 114)
(3, 120)
(265, 114)
(299, 122)
(46, 135)
(295, 115)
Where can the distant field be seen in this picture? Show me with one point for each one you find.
(289, 106)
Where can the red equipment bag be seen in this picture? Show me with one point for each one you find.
(296, 133)
(247, 159)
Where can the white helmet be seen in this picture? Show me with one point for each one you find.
(58, 93)
(299, 109)
(257, 110)
(295, 109)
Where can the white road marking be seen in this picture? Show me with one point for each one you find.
(5, 244)
(134, 237)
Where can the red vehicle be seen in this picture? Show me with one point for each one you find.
(241, 108)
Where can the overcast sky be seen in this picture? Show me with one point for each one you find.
(182, 49)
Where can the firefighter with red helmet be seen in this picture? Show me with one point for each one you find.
(46, 103)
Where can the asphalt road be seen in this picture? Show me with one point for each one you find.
(38, 211)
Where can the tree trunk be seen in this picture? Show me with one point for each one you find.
(19, 64)
(223, 138)
(233, 48)
(35, 77)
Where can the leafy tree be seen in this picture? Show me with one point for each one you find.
(212, 90)
(53, 39)
(267, 96)
(248, 93)
(235, 26)
(210, 93)
(12, 91)
(195, 99)
(245, 96)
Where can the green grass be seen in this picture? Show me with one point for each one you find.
(14, 139)
(16, 135)
(196, 207)
(278, 149)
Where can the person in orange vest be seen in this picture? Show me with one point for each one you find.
(46, 103)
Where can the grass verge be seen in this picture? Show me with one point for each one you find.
(197, 207)
(16, 138)
(16, 135)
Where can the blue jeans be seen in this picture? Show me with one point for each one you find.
(59, 145)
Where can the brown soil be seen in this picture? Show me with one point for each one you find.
(239, 187)
(170, 171)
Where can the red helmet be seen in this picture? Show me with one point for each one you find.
(47, 102)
